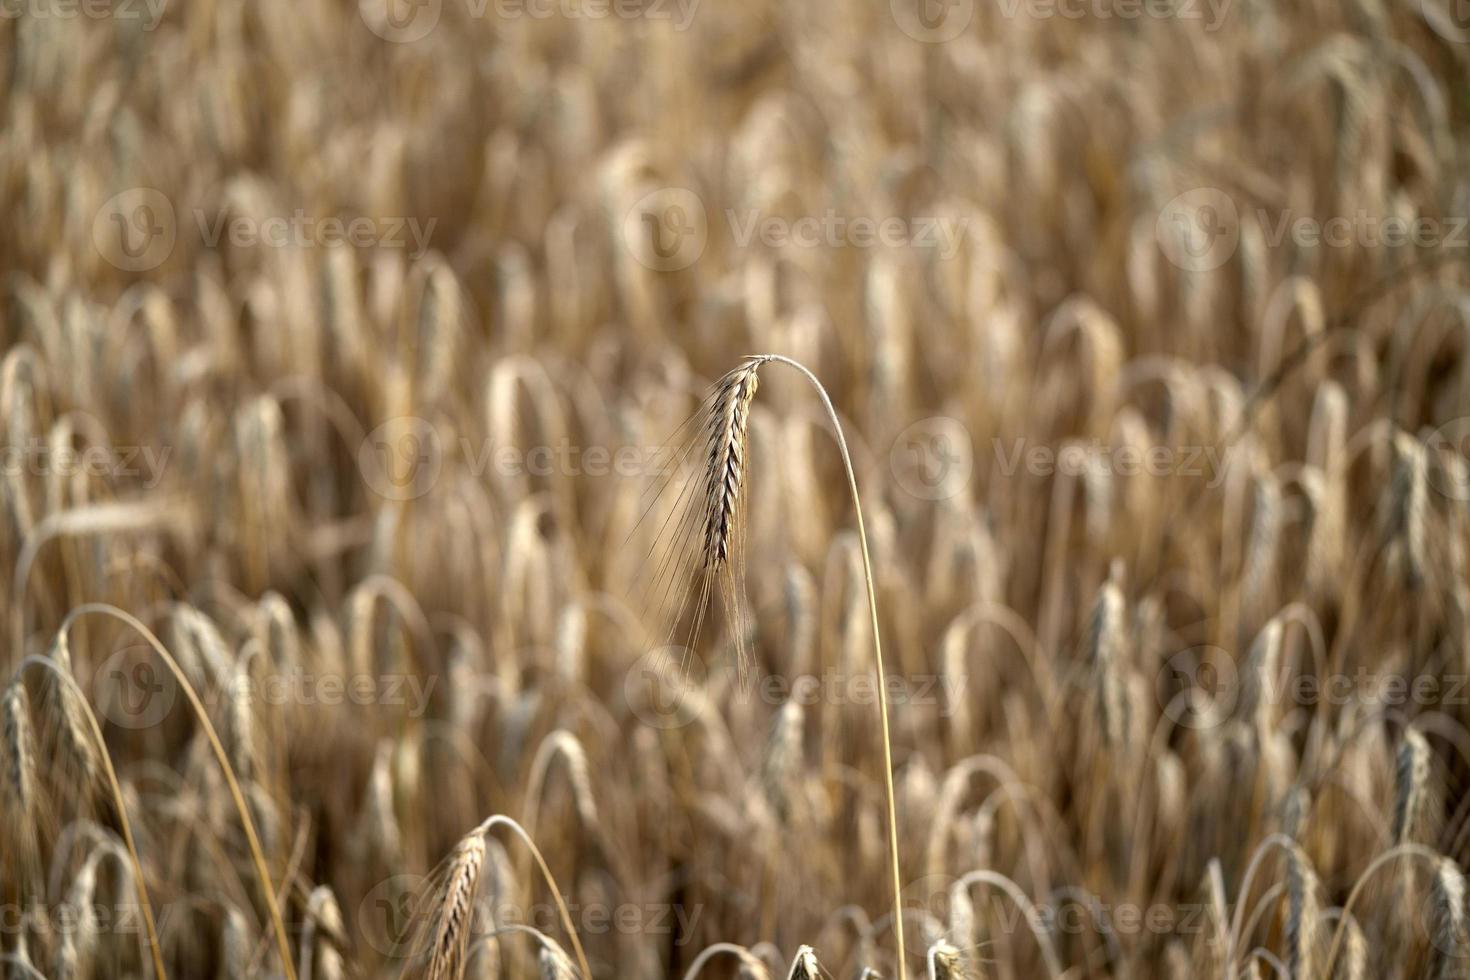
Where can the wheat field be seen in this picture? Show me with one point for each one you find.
(639, 489)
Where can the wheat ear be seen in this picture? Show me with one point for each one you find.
(805, 965)
(729, 424)
(457, 909)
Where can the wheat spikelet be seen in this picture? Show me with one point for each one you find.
(1407, 506)
(805, 966)
(554, 962)
(325, 916)
(1303, 925)
(1263, 677)
(962, 919)
(76, 744)
(1105, 649)
(783, 760)
(1352, 963)
(562, 743)
(750, 967)
(19, 752)
(79, 938)
(236, 946)
(1451, 937)
(1412, 786)
(946, 963)
(456, 909)
(728, 429)
(240, 720)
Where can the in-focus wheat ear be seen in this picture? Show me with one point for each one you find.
(727, 428)
(457, 909)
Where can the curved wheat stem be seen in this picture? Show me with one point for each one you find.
(267, 888)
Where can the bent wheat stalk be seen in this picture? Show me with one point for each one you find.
(257, 856)
(729, 424)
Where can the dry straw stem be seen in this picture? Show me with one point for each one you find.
(729, 423)
(262, 870)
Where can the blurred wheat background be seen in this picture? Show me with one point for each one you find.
(349, 358)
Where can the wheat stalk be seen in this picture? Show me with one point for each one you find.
(727, 430)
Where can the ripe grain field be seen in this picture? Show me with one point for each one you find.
(640, 489)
